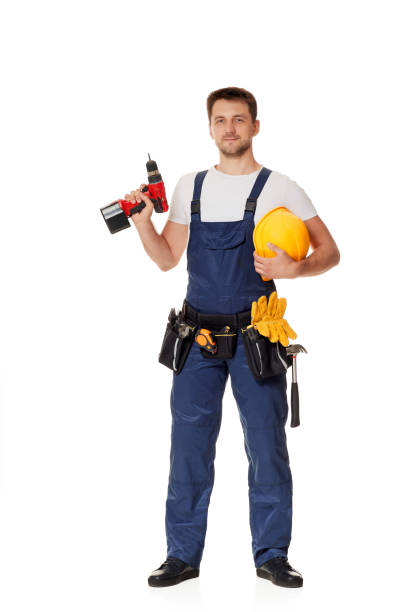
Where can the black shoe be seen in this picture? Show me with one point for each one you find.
(280, 572)
(172, 571)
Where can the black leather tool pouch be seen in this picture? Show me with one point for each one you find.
(176, 346)
(265, 358)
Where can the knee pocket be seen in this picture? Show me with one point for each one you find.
(267, 455)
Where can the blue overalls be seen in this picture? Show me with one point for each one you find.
(223, 280)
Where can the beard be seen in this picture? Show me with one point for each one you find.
(238, 152)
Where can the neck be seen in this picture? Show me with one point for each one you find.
(245, 164)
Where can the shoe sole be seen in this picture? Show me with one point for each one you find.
(264, 574)
(176, 580)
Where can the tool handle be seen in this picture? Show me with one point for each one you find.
(158, 201)
(294, 405)
(204, 339)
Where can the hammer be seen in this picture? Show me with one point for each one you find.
(292, 350)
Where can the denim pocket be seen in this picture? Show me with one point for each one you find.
(219, 240)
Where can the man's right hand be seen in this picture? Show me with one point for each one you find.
(138, 196)
(164, 249)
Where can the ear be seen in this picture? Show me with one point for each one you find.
(210, 130)
(256, 128)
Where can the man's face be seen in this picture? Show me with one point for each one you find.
(231, 127)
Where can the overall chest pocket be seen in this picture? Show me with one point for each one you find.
(219, 240)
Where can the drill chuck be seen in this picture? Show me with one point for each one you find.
(153, 173)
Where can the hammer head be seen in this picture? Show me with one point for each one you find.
(294, 349)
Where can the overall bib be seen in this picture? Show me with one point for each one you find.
(223, 280)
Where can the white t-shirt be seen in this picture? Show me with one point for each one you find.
(223, 197)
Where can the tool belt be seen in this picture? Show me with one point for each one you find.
(265, 358)
(216, 321)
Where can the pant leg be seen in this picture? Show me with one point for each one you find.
(196, 405)
(263, 410)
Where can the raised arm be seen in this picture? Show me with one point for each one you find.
(164, 249)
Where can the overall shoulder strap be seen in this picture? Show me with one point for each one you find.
(198, 183)
(257, 188)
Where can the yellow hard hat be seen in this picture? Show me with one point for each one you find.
(283, 228)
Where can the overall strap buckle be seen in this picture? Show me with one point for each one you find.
(195, 207)
(257, 189)
(250, 205)
(198, 183)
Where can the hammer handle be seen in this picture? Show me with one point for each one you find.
(294, 405)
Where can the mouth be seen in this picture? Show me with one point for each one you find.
(230, 138)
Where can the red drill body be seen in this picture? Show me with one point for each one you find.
(156, 192)
(116, 214)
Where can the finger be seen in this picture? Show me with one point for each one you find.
(260, 269)
(262, 305)
(280, 308)
(275, 248)
(263, 328)
(260, 258)
(138, 195)
(282, 336)
(273, 306)
(290, 332)
(146, 199)
(273, 298)
(273, 333)
(254, 312)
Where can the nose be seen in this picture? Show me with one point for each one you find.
(230, 128)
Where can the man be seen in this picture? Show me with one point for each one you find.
(220, 207)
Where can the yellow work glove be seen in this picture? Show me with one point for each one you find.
(267, 317)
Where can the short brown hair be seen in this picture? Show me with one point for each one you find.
(232, 93)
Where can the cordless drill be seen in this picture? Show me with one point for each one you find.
(117, 213)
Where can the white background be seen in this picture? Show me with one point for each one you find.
(88, 89)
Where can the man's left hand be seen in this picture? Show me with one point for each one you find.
(280, 266)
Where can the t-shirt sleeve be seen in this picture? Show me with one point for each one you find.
(180, 201)
(297, 201)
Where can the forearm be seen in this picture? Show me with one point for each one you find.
(155, 245)
(321, 260)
